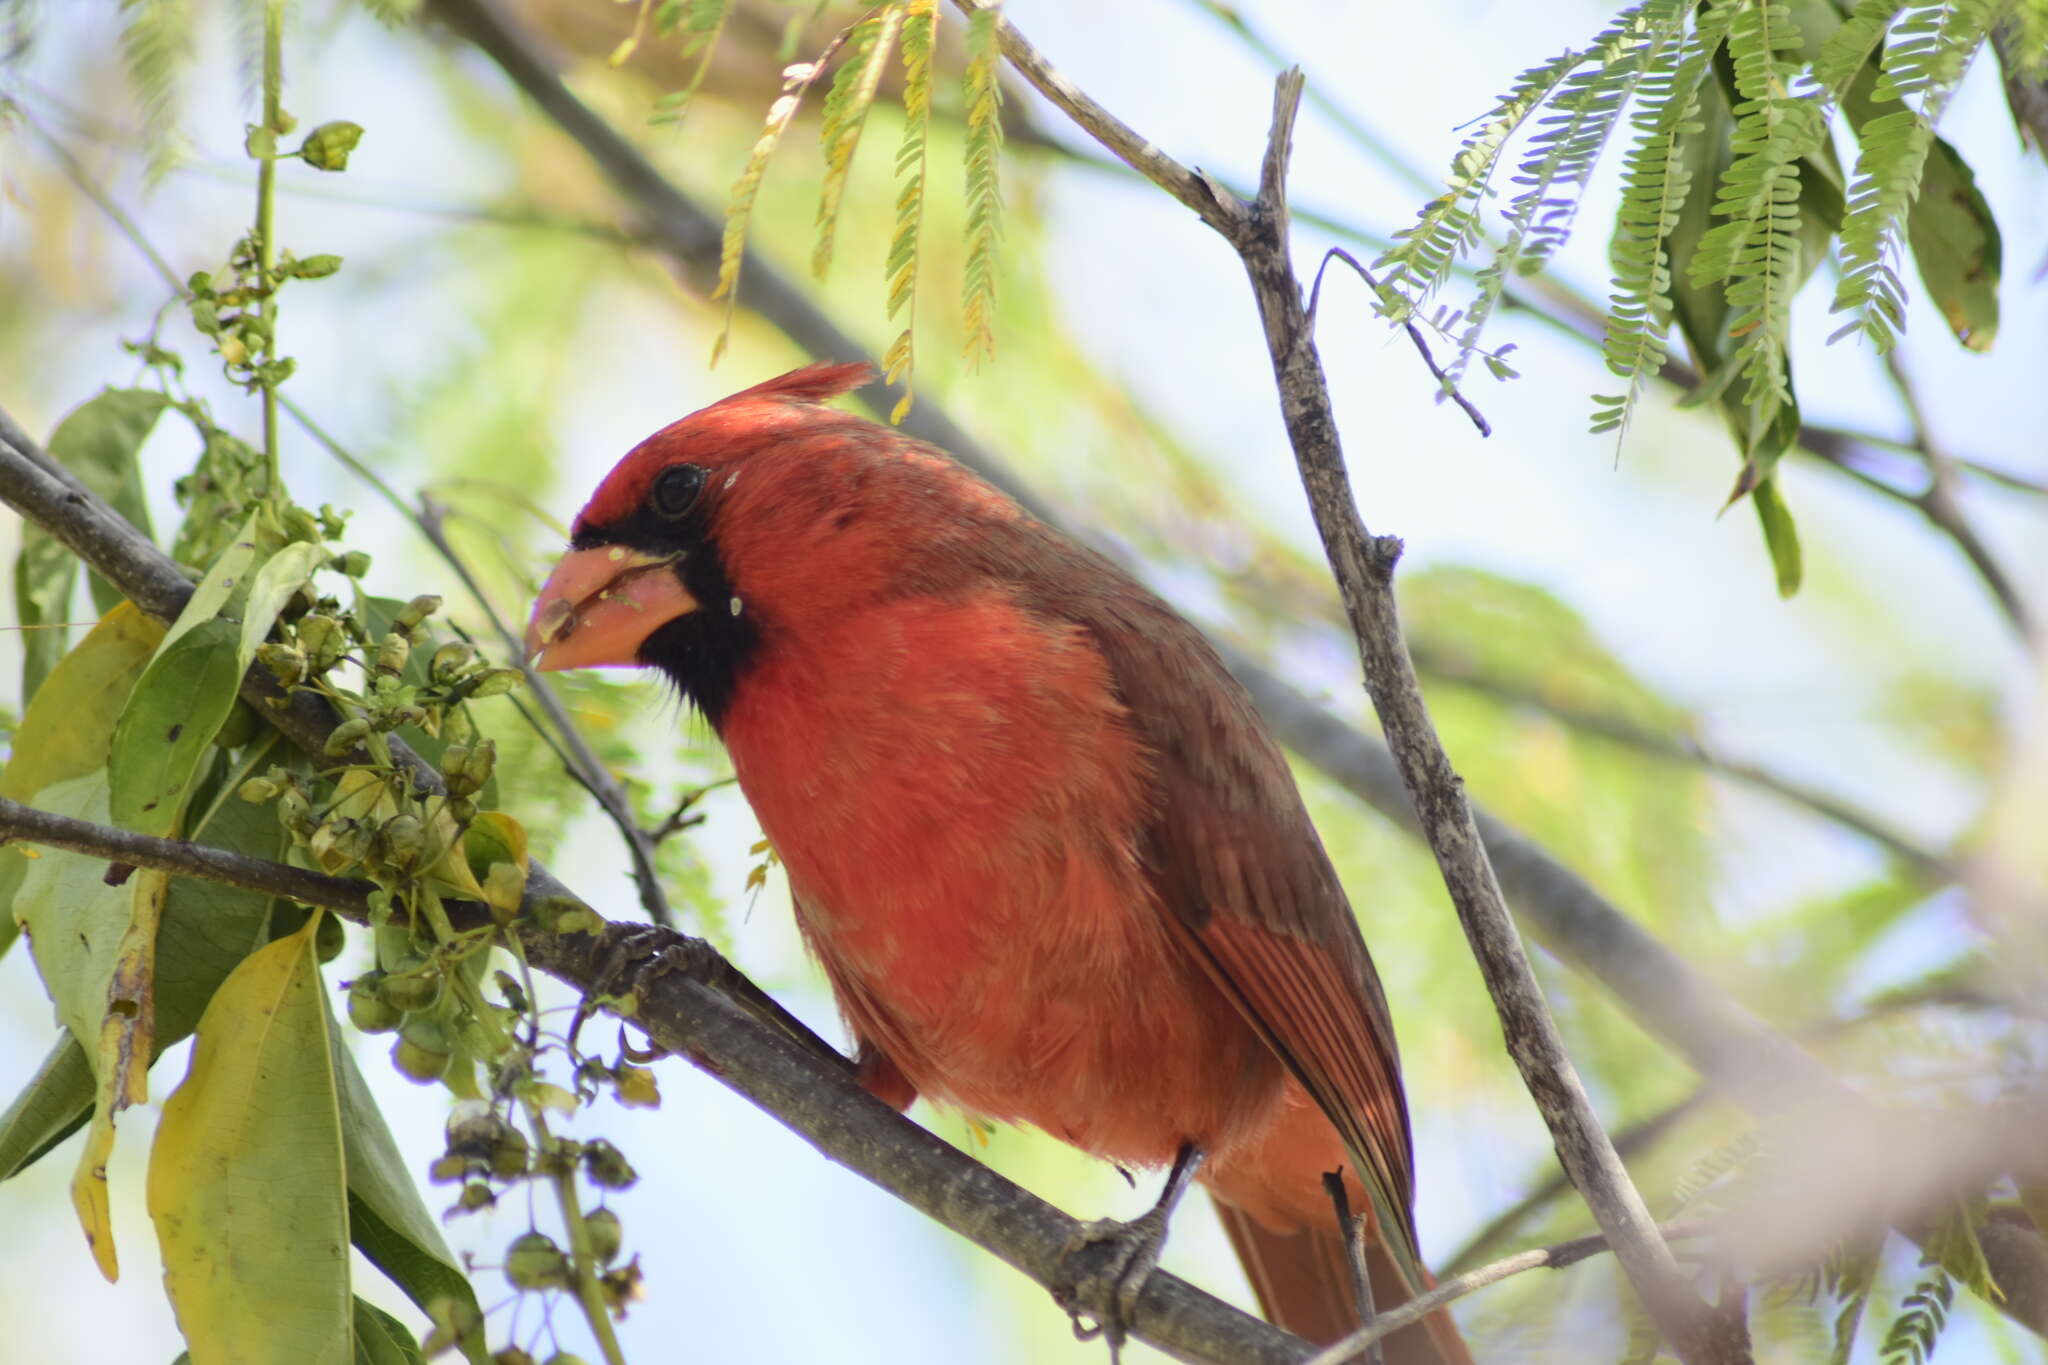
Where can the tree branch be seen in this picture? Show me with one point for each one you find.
(1364, 567)
(705, 1009)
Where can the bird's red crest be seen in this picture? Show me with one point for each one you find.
(711, 431)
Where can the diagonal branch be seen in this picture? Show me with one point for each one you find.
(704, 1009)
(1364, 566)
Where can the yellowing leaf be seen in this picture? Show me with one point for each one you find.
(65, 732)
(247, 1181)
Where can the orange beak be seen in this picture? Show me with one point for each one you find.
(600, 605)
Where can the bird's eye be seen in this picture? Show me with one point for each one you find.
(675, 492)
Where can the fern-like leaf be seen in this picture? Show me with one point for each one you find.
(1922, 1317)
(1929, 48)
(1560, 158)
(156, 44)
(845, 114)
(1655, 184)
(1420, 259)
(984, 95)
(920, 26)
(1710, 1170)
(1754, 251)
(796, 80)
(1850, 45)
(702, 24)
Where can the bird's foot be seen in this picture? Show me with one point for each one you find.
(1104, 1266)
(1105, 1285)
(633, 957)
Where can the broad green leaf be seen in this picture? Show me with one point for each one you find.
(176, 709)
(247, 1180)
(66, 731)
(97, 443)
(73, 918)
(76, 925)
(1956, 244)
(51, 1107)
(387, 1220)
(382, 1339)
(273, 586)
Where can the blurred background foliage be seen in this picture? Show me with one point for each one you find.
(1782, 792)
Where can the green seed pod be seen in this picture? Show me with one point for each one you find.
(606, 1234)
(510, 1155)
(422, 1052)
(476, 767)
(258, 790)
(456, 726)
(416, 611)
(475, 1195)
(326, 148)
(239, 728)
(330, 938)
(534, 1262)
(414, 983)
(447, 1169)
(347, 736)
(286, 664)
(392, 652)
(449, 660)
(454, 759)
(367, 1009)
(408, 714)
(404, 842)
(496, 682)
(299, 524)
(323, 639)
(511, 1355)
(607, 1166)
(294, 811)
(355, 563)
(461, 809)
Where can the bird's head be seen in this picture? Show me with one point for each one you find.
(766, 511)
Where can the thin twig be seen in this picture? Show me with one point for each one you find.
(1939, 503)
(1352, 1230)
(25, 823)
(1445, 385)
(1449, 1291)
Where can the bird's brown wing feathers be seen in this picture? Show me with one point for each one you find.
(1237, 862)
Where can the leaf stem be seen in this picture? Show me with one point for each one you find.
(266, 249)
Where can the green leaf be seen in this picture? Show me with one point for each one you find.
(51, 1107)
(74, 919)
(387, 1219)
(982, 90)
(382, 1339)
(845, 115)
(168, 726)
(273, 586)
(97, 443)
(65, 732)
(247, 1180)
(1956, 245)
(1780, 536)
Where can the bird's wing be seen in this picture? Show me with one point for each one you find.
(1238, 865)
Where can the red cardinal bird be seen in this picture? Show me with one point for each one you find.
(1052, 863)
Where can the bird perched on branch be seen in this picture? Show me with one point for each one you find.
(1052, 863)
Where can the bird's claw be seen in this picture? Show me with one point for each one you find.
(1106, 1285)
(633, 958)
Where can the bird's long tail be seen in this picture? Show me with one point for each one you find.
(1303, 1280)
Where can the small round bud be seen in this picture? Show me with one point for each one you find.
(535, 1262)
(416, 611)
(414, 983)
(347, 736)
(607, 1166)
(422, 1052)
(449, 660)
(367, 1008)
(330, 938)
(284, 662)
(606, 1234)
(392, 652)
